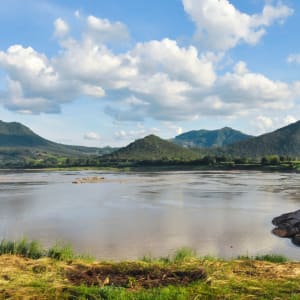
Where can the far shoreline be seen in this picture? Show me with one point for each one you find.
(168, 168)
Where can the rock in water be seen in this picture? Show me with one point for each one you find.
(288, 225)
(295, 215)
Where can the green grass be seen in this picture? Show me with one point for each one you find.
(276, 258)
(179, 256)
(47, 278)
(183, 254)
(33, 249)
(23, 247)
(110, 293)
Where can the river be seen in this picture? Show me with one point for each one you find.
(129, 215)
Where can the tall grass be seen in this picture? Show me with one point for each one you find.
(179, 256)
(61, 251)
(34, 250)
(23, 247)
(184, 254)
(276, 258)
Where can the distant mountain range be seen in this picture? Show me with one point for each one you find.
(226, 141)
(210, 138)
(19, 143)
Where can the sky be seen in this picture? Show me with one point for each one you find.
(99, 73)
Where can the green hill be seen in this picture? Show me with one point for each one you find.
(210, 138)
(152, 148)
(19, 143)
(284, 141)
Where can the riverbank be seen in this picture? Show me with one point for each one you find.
(284, 168)
(62, 275)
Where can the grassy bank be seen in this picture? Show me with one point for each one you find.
(29, 272)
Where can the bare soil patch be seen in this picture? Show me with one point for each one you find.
(133, 275)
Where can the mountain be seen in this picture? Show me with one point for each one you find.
(210, 138)
(15, 138)
(284, 141)
(152, 148)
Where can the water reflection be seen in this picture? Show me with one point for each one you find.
(133, 214)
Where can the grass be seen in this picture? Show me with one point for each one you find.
(23, 247)
(34, 250)
(27, 271)
(275, 258)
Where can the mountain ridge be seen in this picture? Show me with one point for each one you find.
(283, 141)
(152, 147)
(204, 138)
(16, 135)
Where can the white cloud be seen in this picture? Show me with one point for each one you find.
(254, 90)
(93, 136)
(131, 135)
(289, 120)
(61, 28)
(157, 79)
(173, 127)
(180, 63)
(294, 58)
(33, 82)
(221, 26)
(103, 30)
(264, 123)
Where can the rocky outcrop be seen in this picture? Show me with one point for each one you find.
(288, 225)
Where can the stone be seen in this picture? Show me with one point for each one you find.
(288, 225)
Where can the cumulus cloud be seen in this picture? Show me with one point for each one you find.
(103, 30)
(265, 123)
(157, 79)
(180, 63)
(61, 28)
(254, 90)
(289, 120)
(294, 58)
(129, 135)
(221, 26)
(92, 136)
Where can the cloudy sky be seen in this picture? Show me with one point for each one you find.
(103, 72)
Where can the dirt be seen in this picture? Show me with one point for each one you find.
(268, 270)
(133, 276)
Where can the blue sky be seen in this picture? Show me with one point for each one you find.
(102, 72)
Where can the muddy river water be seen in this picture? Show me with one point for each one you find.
(129, 215)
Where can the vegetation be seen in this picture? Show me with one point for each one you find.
(210, 138)
(283, 142)
(34, 250)
(152, 148)
(276, 151)
(20, 147)
(182, 275)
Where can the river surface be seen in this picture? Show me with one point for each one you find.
(129, 215)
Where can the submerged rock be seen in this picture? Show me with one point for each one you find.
(288, 225)
(94, 179)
